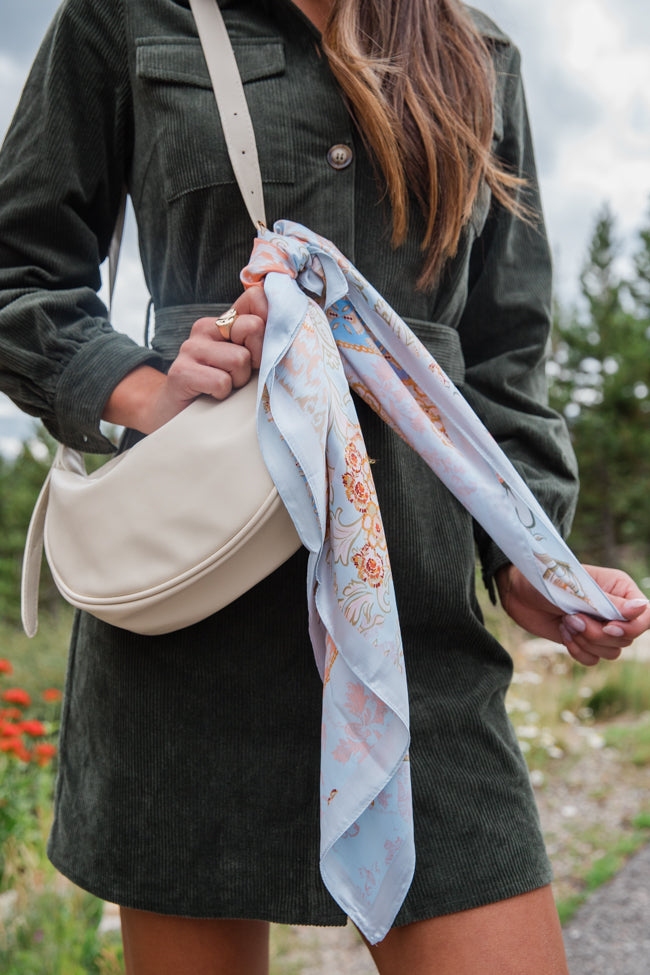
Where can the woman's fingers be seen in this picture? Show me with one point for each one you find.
(587, 637)
(588, 640)
(208, 364)
(246, 331)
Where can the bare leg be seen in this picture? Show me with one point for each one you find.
(157, 944)
(518, 936)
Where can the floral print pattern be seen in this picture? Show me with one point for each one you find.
(312, 444)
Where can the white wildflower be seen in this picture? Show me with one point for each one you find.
(517, 704)
(527, 731)
(595, 741)
(527, 677)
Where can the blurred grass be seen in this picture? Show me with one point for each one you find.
(632, 740)
(39, 662)
(596, 872)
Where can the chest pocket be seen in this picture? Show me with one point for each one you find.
(180, 114)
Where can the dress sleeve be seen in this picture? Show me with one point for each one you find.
(63, 167)
(505, 330)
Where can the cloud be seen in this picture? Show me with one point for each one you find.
(585, 66)
(12, 78)
(23, 26)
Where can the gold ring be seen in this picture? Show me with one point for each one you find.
(225, 323)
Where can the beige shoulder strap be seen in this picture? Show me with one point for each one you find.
(231, 103)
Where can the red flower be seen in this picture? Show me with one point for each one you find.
(33, 728)
(16, 746)
(16, 695)
(10, 714)
(52, 694)
(44, 752)
(9, 744)
(8, 730)
(5, 667)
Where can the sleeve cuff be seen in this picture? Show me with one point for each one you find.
(86, 384)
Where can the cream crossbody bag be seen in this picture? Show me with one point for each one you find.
(188, 519)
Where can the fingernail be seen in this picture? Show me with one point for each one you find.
(633, 604)
(575, 624)
(567, 637)
(612, 629)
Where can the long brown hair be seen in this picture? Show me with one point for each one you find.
(419, 78)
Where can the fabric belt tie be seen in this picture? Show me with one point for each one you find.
(328, 331)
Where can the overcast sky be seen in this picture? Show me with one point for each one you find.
(586, 67)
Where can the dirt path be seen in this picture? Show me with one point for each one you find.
(610, 934)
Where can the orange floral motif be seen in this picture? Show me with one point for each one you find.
(353, 458)
(357, 491)
(369, 565)
(372, 525)
(52, 694)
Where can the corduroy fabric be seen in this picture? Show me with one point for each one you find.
(189, 763)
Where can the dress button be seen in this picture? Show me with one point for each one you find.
(339, 156)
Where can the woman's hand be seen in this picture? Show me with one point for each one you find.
(206, 363)
(587, 640)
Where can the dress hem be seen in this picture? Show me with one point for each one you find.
(500, 893)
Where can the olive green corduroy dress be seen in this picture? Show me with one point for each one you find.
(189, 766)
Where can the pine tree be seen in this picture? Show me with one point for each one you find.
(600, 379)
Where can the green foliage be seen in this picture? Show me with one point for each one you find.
(20, 483)
(618, 849)
(642, 821)
(39, 662)
(626, 691)
(56, 932)
(632, 739)
(600, 380)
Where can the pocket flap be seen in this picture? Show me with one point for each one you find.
(182, 62)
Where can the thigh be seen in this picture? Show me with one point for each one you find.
(518, 936)
(158, 944)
